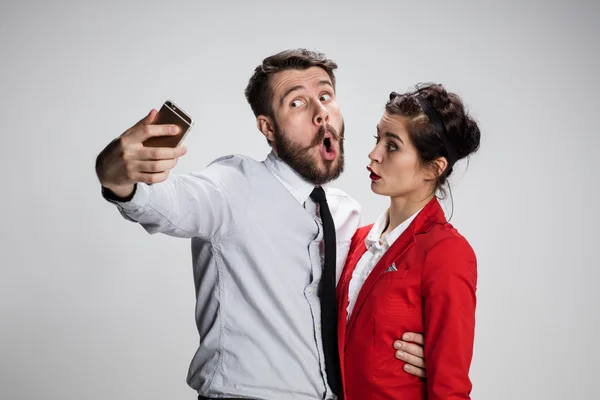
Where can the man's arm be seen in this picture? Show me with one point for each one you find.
(136, 179)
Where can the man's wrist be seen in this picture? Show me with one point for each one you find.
(110, 195)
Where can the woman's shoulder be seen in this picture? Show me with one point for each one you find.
(446, 242)
(443, 232)
(447, 251)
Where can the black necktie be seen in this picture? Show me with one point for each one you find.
(327, 295)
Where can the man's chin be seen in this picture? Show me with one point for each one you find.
(332, 169)
(310, 163)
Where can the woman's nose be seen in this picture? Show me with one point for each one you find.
(374, 155)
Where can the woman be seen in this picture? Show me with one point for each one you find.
(411, 271)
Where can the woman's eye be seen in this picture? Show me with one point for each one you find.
(376, 138)
(392, 147)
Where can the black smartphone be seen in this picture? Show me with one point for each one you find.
(171, 114)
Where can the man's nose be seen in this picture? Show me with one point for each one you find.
(321, 115)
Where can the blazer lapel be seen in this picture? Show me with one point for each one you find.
(431, 214)
(403, 243)
(344, 283)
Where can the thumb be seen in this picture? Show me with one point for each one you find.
(138, 128)
(148, 119)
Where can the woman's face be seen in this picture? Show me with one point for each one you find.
(395, 167)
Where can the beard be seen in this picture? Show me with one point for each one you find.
(305, 161)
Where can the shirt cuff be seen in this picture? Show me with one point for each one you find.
(112, 197)
(136, 200)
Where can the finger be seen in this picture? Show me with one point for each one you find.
(147, 120)
(144, 132)
(133, 131)
(410, 359)
(413, 337)
(152, 178)
(409, 348)
(415, 371)
(160, 153)
(155, 166)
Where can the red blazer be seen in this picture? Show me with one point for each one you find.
(432, 291)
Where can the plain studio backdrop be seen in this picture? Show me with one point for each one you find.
(92, 307)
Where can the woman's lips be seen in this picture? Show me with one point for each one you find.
(373, 176)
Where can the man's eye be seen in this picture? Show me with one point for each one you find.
(326, 97)
(296, 103)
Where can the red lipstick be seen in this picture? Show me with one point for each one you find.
(373, 176)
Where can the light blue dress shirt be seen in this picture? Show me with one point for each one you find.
(257, 252)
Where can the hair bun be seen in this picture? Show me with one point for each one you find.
(468, 142)
(462, 130)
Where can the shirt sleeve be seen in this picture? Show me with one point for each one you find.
(204, 204)
(449, 286)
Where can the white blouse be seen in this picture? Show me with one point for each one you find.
(376, 248)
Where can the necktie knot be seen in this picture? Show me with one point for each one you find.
(318, 195)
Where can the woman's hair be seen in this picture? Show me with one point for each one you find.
(438, 125)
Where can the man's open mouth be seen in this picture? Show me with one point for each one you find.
(327, 143)
(328, 149)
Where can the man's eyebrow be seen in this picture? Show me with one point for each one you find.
(287, 92)
(323, 82)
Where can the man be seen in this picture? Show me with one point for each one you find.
(265, 298)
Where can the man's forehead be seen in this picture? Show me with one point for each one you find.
(284, 80)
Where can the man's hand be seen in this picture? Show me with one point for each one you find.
(125, 161)
(411, 353)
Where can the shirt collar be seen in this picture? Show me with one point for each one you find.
(389, 239)
(290, 179)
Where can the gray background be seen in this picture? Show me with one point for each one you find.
(91, 307)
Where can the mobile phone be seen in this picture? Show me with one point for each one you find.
(171, 114)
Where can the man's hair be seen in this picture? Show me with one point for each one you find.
(259, 92)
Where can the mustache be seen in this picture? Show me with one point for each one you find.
(321, 135)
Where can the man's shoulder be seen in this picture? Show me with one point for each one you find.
(232, 171)
(332, 192)
(233, 160)
(342, 204)
(230, 165)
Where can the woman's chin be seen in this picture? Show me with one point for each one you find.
(376, 188)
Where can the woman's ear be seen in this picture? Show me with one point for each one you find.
(441, 165)
(438, 166)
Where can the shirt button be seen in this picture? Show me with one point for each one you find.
(309, 290)
(319, 326)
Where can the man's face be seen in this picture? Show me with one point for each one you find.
(308, 128)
